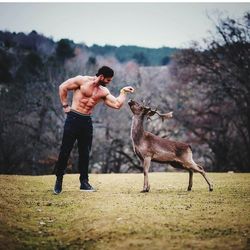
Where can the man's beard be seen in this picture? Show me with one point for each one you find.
(103, 84)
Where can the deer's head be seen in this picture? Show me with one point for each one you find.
(141, 109)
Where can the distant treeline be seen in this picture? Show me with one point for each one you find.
(142, 56)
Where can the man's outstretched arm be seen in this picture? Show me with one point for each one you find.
(117, 102)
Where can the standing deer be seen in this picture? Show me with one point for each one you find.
(149, 147)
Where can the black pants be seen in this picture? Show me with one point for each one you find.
(77, 127)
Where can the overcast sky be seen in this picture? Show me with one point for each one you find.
(145, 24)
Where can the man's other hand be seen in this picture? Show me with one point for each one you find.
(67, 109)
(128, 89)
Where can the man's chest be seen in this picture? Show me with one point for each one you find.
(89, 92)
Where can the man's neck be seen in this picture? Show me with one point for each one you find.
(96, 82)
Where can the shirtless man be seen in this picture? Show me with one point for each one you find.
(87, 92)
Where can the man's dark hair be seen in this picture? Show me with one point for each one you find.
(105, 71)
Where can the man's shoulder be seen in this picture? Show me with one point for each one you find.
(81, 77)
(104, 90)
(84, 79)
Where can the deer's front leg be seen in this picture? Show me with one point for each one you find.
(146, 165)
(190, 180)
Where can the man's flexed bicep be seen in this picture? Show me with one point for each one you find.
(114, 102)
(117, 102)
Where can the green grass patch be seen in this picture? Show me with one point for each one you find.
(118, 216)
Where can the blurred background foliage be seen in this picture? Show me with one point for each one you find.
(208, 89)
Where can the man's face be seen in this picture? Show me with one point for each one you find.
(105, 80)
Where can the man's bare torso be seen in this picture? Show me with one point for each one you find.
(88, 95)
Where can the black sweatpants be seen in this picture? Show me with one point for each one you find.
(77, 127)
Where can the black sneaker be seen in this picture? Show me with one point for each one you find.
(85, 186)
(58, 185)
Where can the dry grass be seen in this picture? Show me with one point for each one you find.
(118, 216)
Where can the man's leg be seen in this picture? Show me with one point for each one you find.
(68, 140)
(84, 148)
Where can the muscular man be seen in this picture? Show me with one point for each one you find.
(87, 92)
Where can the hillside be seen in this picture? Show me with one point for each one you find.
(118, 216)
(143, 56)
(44, 45)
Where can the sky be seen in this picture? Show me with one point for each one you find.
(146, 24)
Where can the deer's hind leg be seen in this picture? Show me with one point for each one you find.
(184, 165)
(191, 166)
(203, 173)
(197, 168)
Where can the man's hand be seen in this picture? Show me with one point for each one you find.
(127, 89)
(66, 109)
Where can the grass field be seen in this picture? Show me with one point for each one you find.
(118, 216)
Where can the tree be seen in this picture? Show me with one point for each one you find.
(141, 59)
(165, 60)
(65, 49)
(213, 94)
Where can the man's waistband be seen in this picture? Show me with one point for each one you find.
(72, 111)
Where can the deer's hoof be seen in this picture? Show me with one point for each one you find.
(146, 190)
(211, 189)
(189, 189)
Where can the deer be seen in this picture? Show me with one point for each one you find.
(152, 148)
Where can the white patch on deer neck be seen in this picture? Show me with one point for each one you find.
(136, 130)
